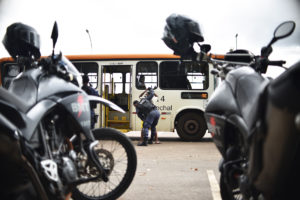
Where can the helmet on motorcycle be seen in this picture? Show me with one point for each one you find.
(22, 40)
(180, 33)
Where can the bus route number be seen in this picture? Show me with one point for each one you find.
(161, 99)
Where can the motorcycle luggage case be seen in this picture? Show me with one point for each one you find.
(277, 175)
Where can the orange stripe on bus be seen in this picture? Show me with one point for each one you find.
(110, 57)
(217, 56)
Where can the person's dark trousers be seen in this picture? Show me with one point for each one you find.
(145, 139)
(151, 122)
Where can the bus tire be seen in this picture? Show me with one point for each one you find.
(191, 126)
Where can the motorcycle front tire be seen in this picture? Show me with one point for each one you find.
(227, 192)
(113, 146)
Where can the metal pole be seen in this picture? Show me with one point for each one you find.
(236, 35)
(87, 31)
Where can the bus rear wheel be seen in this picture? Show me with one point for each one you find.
(191, 126)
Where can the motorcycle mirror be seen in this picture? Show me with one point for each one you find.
(205, 48)
(285, 29)
(54, 34)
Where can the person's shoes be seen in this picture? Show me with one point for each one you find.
(142, 143)
(150, 142)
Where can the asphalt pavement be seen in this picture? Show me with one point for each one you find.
(175, 169)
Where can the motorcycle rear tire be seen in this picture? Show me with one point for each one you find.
(117, 139)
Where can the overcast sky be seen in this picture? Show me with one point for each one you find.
(136, 26)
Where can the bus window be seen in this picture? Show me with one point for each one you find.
(89, 68)
(117, 81)
(113, 81)
(148, 71)
(128, 83)
(184, 76)
(197, 74)
(117, 78)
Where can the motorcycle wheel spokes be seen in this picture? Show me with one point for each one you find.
(113, 158)
(118, 157)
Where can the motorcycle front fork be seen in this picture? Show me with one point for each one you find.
(88, 148)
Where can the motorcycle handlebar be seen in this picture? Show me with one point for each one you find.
(277, 62)
(51, 65)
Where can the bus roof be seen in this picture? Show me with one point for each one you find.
(6, 59)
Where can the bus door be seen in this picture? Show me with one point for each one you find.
(116, 87)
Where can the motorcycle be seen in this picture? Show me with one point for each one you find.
(254, 120)
(47, 148)
(252, 124)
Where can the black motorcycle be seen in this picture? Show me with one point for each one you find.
(47, 148)
(254, 120)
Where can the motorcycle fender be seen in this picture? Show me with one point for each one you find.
(78, 106)
(105, 102)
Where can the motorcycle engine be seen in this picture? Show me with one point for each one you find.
(69, 171)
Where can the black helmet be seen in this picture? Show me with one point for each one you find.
(22, 40)
(180, 34)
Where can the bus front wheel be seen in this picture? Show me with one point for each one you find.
(191, 126)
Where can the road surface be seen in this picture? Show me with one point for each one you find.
(175, 170)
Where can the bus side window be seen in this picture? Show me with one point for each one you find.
(146, 74)
(89, 68)
(183, 76)
(197, 74)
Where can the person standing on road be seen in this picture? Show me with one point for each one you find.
(90, 91)
(149, 114)
(155, 134)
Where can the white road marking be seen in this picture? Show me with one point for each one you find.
(214, 185)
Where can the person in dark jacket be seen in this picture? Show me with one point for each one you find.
(149, 114)
(90, 91)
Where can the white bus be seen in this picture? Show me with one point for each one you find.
(183, 88)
